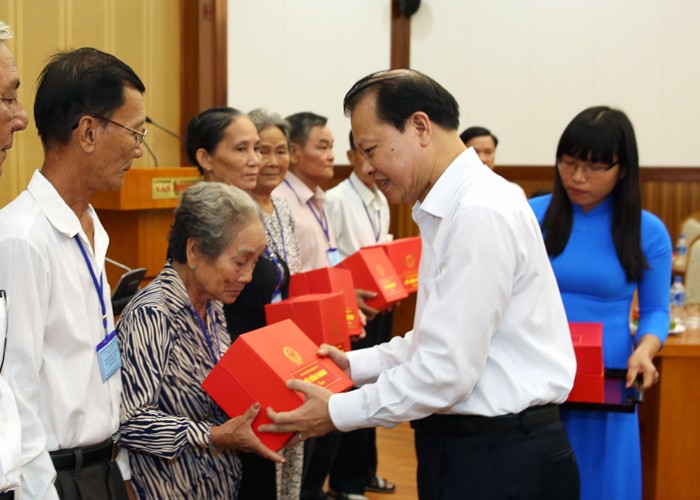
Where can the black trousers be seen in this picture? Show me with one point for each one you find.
(356, 459)
(100, 481)
(525, 464)
(88, 473)
(259, 481)
(319, 454)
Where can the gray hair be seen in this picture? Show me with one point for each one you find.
(264, 118)
(5, 32)
(212, 213)
(302, 123)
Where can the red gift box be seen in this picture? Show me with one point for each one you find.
(320, 315)
(588, 347)
(256, 367)
(371, 270)
(325, 280)
(588, 389)
(404, 255)
(589, 383)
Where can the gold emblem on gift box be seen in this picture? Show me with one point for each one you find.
(410, 261)
(292, 355)
(380, 270)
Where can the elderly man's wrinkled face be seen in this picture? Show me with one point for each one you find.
(13, 117)
(396, 160)
(313, 162)
(118, 145)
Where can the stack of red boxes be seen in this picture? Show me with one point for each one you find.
(371, 270)
(256, 367)
(320, 315)
(327, 280)
(404, 255)
(589, 384)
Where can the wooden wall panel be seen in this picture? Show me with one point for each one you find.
(93, 34)
(670, 193)
(143, 33)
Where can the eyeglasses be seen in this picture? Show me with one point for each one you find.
(569, 165)
(139, 135)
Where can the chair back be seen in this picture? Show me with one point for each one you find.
(692, 273)
(690, 228)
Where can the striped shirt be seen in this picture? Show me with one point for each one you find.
(166, 416)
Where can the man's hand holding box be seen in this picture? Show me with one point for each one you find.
(258, 365)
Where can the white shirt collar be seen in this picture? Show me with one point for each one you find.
(366, 194)
(301, 190)
(54, 207)
(439, 199)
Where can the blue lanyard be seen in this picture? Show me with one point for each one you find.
(278, 266)
(321, 222)
(98, 286)
(376, 230)
(205, 332)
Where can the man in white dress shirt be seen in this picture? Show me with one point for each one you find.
(490, 355)
(13, 118)
(359, 214)
(63, 360)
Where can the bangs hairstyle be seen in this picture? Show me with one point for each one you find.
(402, 92)
(601, 134)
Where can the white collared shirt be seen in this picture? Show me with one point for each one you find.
(10, 440)
(55, 324)
(490, 335)
(308, 221)
(359, 215)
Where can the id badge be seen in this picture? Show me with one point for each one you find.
(108, 355)
(333, 256)
(276, 297)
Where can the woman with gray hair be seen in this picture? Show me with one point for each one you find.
(274, 150)
(226, 146)
(172, 334)
(263, 480)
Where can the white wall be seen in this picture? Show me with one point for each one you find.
(304, 55)
(523, 68)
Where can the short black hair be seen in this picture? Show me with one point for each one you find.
(470, 133)
(402, 92)
(76, 83)
(206, 130)
(301, 124)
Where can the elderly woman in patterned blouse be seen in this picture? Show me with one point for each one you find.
(172, 334)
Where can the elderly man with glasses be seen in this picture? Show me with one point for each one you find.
(13, 118)
(65, 366)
